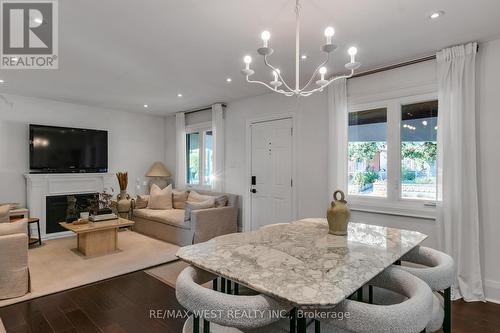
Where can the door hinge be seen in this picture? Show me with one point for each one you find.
(291, 131)
(291, 182)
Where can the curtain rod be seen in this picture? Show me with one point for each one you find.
(394, 66)
(204, 108)
(399, 65)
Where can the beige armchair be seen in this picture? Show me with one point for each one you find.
(4, 213)
(14, 274)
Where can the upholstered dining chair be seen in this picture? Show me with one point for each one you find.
(437, 269)
(14, 273)
(4, 213)
(410, 316)
(219, 308)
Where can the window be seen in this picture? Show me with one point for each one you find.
(199, 157)
(367, 152)
(418, 150)
(392, 154)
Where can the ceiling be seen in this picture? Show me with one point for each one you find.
(123, 54)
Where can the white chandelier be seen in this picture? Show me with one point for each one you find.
(278, 80)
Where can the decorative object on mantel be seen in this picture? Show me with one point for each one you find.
(278, 80)
(123, 200)
(160, 175)
(100, 207)
(338, 215)
(71, 210)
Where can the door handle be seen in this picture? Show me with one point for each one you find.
(253, 190)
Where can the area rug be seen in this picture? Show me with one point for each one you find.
(168, 273)
(55, 266)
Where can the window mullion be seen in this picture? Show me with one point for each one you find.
(201, 164)
(393, 154)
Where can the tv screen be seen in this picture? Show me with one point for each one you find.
(62, 149)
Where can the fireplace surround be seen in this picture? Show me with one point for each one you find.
(39, 187)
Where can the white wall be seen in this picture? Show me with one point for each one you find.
(311, 134)
(488, 152)
(135, 140)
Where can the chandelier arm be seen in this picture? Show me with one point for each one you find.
(281, 91)
(278, 72)
(315, 72)
(307, 93)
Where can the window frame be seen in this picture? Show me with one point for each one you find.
(393, 203)
(200, 128)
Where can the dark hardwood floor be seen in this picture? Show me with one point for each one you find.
(123, 304)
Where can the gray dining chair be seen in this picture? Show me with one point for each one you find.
(410, 316)
(214, 311)
(437, 269)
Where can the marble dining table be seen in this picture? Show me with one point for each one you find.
(300, 262)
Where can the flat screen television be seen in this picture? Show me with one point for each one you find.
(65, 150)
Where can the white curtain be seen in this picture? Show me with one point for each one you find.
(337, 136)
(180, 134)
(457, 211)
(218, 147)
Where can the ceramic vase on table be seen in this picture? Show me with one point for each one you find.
(338, 215)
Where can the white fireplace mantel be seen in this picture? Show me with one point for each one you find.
(39, 186)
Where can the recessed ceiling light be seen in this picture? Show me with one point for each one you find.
(2, 81)
(146, 106)
(436, 15)
(229, 80)
(179, 95)
(303, 57)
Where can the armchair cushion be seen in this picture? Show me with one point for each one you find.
(4, 213)
(13, 228)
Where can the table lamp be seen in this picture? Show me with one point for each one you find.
(159, 174)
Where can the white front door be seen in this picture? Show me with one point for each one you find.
(271, 171)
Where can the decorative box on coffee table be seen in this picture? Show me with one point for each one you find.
(97, 238)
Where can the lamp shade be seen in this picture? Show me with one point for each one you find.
(158, 169)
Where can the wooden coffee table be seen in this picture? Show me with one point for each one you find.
(97, 238)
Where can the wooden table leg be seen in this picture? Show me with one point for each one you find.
(98, 242)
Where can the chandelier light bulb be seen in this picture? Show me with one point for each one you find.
(329, 32)
(247, 60)
(322, 72)
(265, 35)
(352, 52)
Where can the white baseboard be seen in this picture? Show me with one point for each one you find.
(57, 235)
(492, 291)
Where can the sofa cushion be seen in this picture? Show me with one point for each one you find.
(160, 199)
(179, 199)
(190, 206)
(173, 217)
(221, 201)
(141, 201)
(196, 197)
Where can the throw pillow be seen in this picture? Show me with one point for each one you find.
(160, 199)
(221, 201)
(190, 206)
(196, 197)
(141, 201)
(179, 199)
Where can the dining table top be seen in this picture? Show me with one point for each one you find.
(300, 262)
